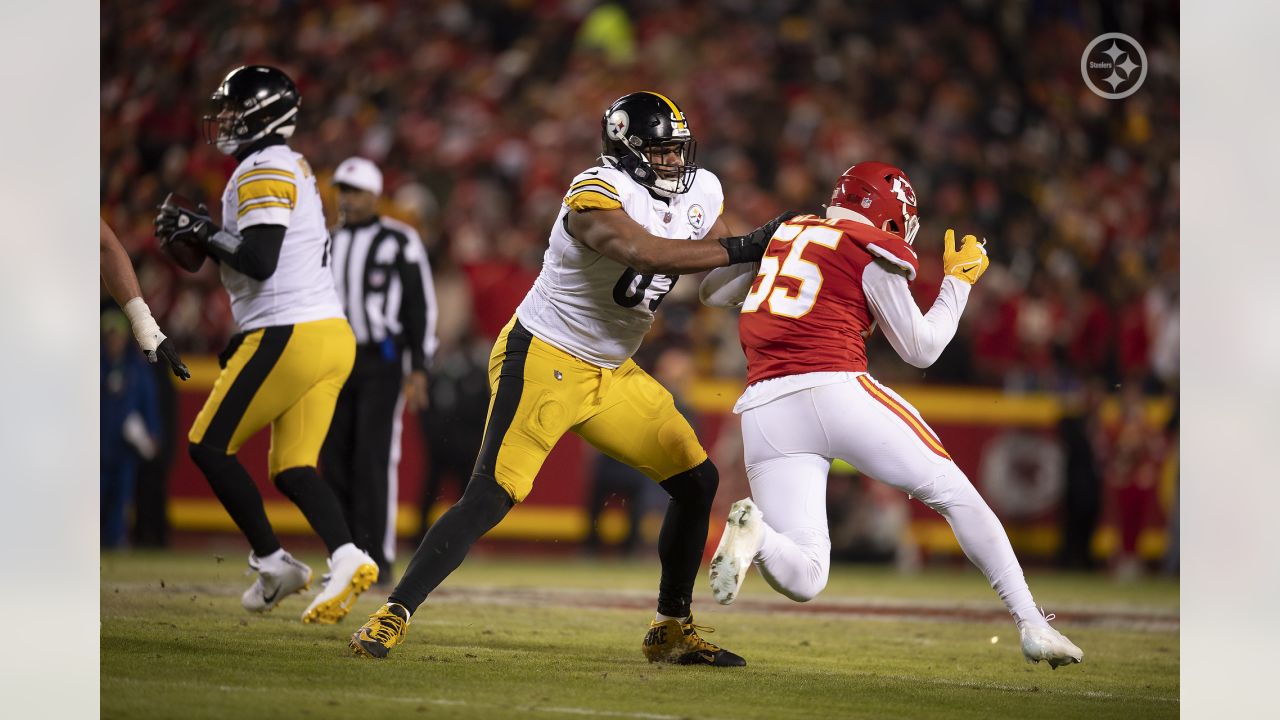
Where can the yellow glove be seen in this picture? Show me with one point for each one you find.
(969, 262)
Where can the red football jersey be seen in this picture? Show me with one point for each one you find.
(806, 310)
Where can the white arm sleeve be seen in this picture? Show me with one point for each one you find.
(918, 339)
(727, 287)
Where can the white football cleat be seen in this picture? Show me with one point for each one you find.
(278, 578)
(743, 534)
(351, 572)
(1041, 642)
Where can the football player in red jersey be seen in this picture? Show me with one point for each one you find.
(822, 286)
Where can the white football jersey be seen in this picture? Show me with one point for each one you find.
(275, 186)
(598, 309)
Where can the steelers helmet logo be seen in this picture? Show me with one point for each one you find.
(619, 123)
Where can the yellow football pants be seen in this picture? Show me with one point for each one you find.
(538, 392)
(288, 376)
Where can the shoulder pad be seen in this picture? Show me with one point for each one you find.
(262, 164)
(599, 188)
(883, 245)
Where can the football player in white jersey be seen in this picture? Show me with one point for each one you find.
(294, 350)
(627, 229)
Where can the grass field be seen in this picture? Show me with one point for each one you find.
(511, 638)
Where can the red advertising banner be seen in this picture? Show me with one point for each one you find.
(1011, 447)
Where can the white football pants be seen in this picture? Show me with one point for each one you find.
(789, 444)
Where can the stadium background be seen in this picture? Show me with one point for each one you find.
(479, 113)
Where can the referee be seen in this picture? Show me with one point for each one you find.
(383, 278)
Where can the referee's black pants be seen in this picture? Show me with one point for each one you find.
(361, 453)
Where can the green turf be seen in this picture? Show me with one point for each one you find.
(187, 650)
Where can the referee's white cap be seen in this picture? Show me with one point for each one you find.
(359, 173)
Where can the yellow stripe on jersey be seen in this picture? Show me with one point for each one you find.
(274, 188)
(591, 200)
(261, 205)
(593, 181)
(267, 171)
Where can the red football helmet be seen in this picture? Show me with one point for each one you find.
(881, 193)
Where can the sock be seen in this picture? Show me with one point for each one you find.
(318, 503)
(446, 544)
(275, 557)
(984, 542)
(237, 493)
(684, 536)
(659, 617)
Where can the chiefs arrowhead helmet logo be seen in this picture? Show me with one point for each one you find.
(902, 189)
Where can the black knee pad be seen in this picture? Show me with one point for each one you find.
(209, 460)
(292, 482)
(485, 500)
(697, 485)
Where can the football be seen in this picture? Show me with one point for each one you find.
(184, 250)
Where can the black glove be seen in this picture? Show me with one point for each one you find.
(165, 350)
(750, 247)
(175, 223)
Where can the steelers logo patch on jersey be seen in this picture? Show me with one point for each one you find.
(697, 216)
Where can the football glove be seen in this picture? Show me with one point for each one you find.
(969, 262)
(750, 247)
(165, 351)
(176, 223)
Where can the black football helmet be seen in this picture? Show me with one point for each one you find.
(252, 102)
(637, 130)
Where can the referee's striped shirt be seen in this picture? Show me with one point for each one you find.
(383, 278)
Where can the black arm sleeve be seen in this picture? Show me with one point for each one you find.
(413, 310)
(257, 253)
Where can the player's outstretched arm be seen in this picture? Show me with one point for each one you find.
(117, 271)
(122, 283)
(920, 339)
(727, 287)
(615, 235)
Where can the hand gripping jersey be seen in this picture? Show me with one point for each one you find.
(275, 186)
(598, 309)
(807, 310)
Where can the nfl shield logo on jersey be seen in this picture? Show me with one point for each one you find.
(697, 217)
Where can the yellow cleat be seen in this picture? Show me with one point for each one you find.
(678, 643)
(384, 630)
(349, 575)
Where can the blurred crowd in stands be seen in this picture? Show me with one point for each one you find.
(479, 113)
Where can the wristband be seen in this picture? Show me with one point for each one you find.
(145, 329)
(741, 250)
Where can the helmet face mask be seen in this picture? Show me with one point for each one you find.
(251, 103)
(646, 135)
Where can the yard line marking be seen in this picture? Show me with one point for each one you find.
(1151, 620)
